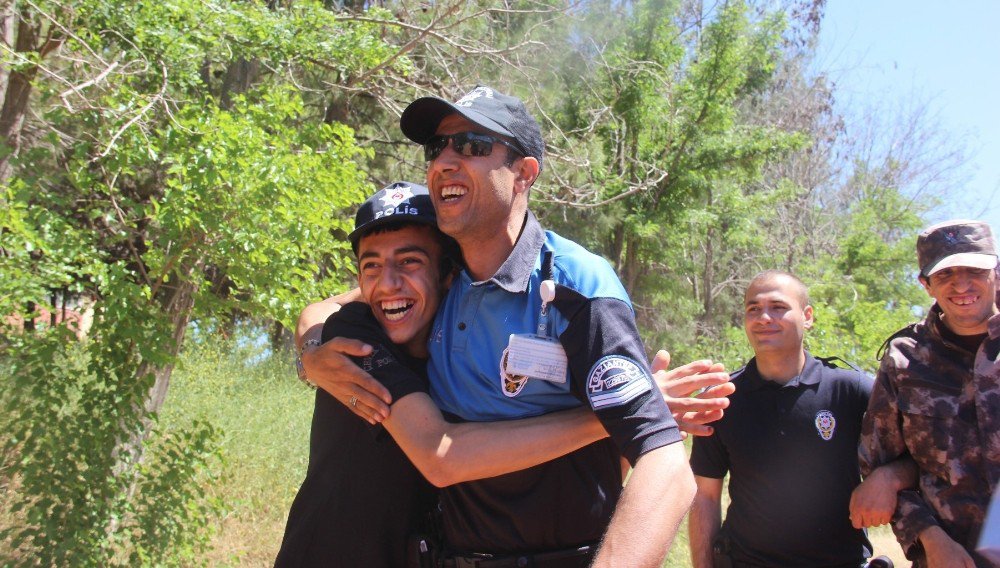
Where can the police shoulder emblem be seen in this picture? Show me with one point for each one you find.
(615, 380)
(825, 424)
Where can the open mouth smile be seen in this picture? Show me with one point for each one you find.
(452, 192)
(396, 310)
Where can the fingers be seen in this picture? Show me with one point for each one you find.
(691, 378)
(346, 346)
(869, 511)
(701, 416)
(329, 367)
(694, 429)
(366, 406)
(661, 361)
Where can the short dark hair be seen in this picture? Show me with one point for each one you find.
(451, 255)
(768, 275)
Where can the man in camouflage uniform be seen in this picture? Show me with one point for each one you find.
(937, 398)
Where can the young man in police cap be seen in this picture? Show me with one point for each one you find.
(484, 152)
(789, 442)
(362, 497)
(937, 398)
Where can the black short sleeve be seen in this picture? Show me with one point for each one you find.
(608, 364)
(387, 363)
(709, 457)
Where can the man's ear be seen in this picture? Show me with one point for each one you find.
(447, 281)
(926, 283)
(808, 313)
(526, 172)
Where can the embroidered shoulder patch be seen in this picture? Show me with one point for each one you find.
(615, 380)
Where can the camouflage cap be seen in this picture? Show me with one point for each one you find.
(956, 243)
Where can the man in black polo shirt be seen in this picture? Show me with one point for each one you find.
(789, 442)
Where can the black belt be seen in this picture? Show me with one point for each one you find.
(569, 558)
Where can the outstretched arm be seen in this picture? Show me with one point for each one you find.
(693, 413)
(448, 453)
(658, 494)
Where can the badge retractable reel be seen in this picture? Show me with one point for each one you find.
(539, 355)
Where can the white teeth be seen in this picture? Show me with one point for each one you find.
(450, 191)
(965, 300)
(395, 309)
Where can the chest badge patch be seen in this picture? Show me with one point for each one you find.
(511, 385)
(825, 424)
(615, 380)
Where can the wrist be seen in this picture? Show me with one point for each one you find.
(931, 535)
(300, 369)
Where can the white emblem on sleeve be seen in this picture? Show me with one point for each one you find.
(825, 424)
(615, 380)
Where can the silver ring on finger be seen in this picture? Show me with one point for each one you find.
(354, 401)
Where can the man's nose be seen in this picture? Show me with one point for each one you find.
(447, 160)
(962, 281)
(389, 278)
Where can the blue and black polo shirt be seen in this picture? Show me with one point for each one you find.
(566, 502)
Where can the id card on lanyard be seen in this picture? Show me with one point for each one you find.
(539, 355)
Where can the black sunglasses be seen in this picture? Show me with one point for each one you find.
(466, 144)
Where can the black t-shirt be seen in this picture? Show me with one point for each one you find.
(968, 342)
(791, 451)
(361, 497)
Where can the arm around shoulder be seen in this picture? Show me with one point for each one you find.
(313, 316)
(447, 453)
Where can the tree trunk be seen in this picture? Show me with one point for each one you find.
(708, 279)
(17, 94)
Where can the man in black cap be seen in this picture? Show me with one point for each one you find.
(362, 497)
(499, 351)
(937, 399)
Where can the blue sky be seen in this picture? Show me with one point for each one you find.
(892, 54)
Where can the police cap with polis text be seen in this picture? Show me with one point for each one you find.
(495, 111)
(398, 202)
(956, 243)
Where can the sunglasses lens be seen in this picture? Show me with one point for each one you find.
(479, 146)
(434, 147)
(465, 143)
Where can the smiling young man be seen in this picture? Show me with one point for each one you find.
(937, 399)
(362, 497)
(789, 443)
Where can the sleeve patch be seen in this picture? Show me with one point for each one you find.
(380, 357)
(615, 380)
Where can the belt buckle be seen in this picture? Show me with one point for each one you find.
(469, 561)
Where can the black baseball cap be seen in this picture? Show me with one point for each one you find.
(495, 111)
(398, 202)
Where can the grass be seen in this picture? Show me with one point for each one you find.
(264, 413)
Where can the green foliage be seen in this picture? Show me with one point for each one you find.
(190, 178)
(199, 161)
(74, 484)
